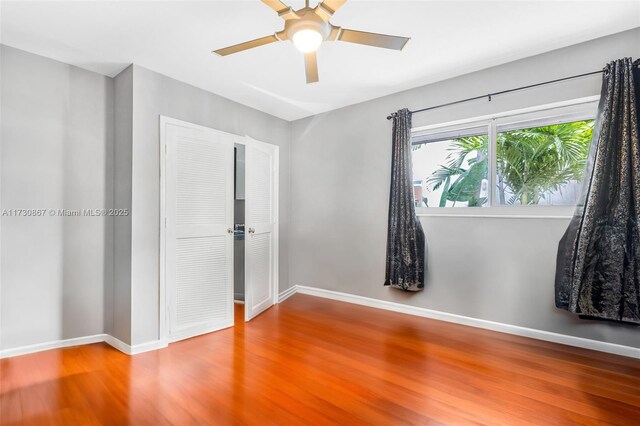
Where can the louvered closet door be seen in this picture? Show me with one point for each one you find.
(261, 226)
(199, 247)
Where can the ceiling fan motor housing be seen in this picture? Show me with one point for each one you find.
(309, 20)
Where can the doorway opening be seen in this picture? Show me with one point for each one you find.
(238, 225)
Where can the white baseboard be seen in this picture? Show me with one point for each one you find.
(287, 293)
(97, 338)
(135, 349)
(564, 339)
(56, 344)
(118, 344)
(149, 346)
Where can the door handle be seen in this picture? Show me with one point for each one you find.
(252, 231)
(230, 230)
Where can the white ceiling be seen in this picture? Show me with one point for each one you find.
(175, 38)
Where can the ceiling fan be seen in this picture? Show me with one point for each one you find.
(308, 27)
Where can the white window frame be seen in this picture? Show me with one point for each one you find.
(543, 115)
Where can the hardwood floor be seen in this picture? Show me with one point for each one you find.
(316, 361)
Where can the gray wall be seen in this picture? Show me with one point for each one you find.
(494, 269)
(155, 95)
(118, 299)
(57, 146)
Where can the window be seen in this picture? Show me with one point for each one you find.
(542, 165)
(451, 169)
(535, 158)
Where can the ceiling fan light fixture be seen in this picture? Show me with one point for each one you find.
(307, 40)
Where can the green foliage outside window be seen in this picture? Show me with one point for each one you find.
(531, 164)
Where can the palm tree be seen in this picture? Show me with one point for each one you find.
(531, 164)
(534, 162)
(461, 177)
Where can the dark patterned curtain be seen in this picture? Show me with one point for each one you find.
(598, 265)
(405, 239)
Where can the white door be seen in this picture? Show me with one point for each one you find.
(199, 229)
(261, 226)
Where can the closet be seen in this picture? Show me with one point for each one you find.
(201, 212)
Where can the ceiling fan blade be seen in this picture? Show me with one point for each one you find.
(373, 39)
(333, 5)
(246, 45)
(311, 67)
(276, 5)
(327, 8)
(284, 11)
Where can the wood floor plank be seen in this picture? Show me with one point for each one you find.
(321, 362)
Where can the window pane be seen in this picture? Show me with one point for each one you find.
(542, 165)
(451, 172)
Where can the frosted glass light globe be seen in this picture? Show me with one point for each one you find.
(307, 40)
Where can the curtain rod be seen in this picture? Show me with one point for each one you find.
(490, 95)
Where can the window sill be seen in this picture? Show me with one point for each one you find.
(540, 212)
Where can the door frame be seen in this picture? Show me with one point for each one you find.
(163, 302)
